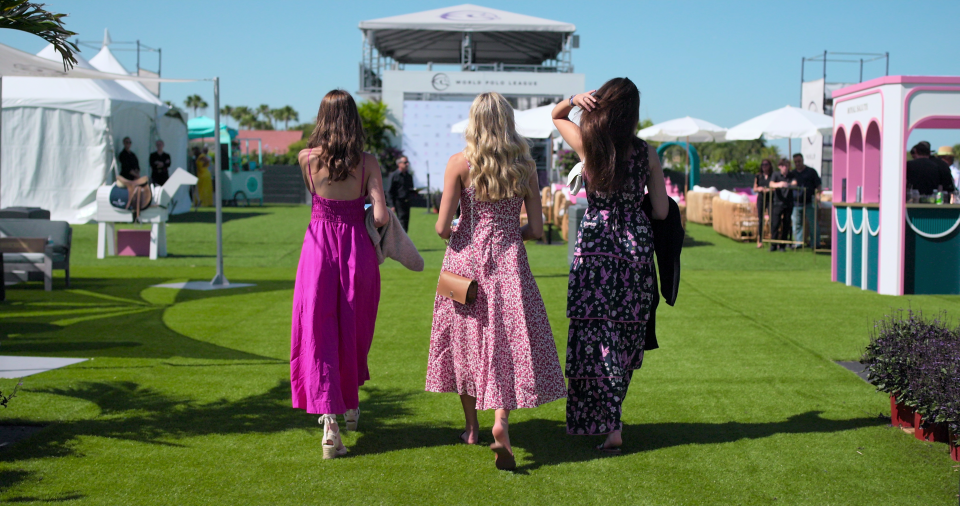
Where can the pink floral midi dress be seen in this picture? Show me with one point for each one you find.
(500, 348)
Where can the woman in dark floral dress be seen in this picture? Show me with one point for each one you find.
(612, 284)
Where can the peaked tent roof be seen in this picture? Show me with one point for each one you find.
(16, 63)
(105, 61)
(468, 18)
(497, 36)
(82, 95)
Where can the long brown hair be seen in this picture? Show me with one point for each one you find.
(608, 132)
(339, 135)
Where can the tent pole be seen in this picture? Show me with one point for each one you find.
(689, 165)
(219, 278)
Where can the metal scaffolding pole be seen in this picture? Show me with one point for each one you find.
(218, 279)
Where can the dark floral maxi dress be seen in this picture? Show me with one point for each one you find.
(608, 302)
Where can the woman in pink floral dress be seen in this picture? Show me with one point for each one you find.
(497, 352)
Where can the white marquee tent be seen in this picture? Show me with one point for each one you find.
(68, 131)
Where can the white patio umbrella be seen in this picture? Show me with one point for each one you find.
(786, 123)
(687, 129)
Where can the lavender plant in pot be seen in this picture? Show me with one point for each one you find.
(886, 358)
(934, 366)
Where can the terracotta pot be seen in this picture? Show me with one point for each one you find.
(933, 432)
(954, 449)
(901, 415)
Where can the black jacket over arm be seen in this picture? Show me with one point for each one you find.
(668, 236)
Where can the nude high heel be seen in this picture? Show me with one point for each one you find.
(352, 417)
(332, 445)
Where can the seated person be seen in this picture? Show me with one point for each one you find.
(927, 175)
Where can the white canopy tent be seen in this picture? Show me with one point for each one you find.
(68, 131)
(14, 62)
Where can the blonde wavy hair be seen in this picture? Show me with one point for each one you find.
(500, 162)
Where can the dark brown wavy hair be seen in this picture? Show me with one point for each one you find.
(608, 132)
(339, 135)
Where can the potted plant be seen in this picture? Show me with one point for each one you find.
(886, 358)
(917, 362)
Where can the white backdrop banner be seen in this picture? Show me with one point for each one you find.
(811, 98)
(427, 140)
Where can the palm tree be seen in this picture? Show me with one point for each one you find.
(264, 110)
(227, 111)
(286, 114)
(32, 18)
(195, 102)
(373, 116)
(239, 112)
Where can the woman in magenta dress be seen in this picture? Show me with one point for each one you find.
(497, 352)
(337, 289)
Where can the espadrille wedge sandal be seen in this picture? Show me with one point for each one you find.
(352, 417)
(332, 445)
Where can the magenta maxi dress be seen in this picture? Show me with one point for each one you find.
(335, 302)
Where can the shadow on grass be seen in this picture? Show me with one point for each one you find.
(131, 412)
(690, 242)
(106, 317)
(533, 436)
(210, 216)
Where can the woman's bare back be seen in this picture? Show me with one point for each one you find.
(318, 181)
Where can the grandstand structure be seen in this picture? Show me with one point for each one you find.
(427, 67)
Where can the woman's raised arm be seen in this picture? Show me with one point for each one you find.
(569, 130)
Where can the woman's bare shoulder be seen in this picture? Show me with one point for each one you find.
(457, 162)
(304, 155)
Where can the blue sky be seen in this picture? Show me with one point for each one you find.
(724, 62)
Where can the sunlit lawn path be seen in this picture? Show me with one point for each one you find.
(186, 400)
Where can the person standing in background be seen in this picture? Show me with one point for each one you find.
(946, 154)
(204, 195)
(399, 191)
(928, 175)
(160, 163)
(806, 179)
(761, 185)
(781, 205)
(129, 165)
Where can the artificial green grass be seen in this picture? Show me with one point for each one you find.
(186, 398)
